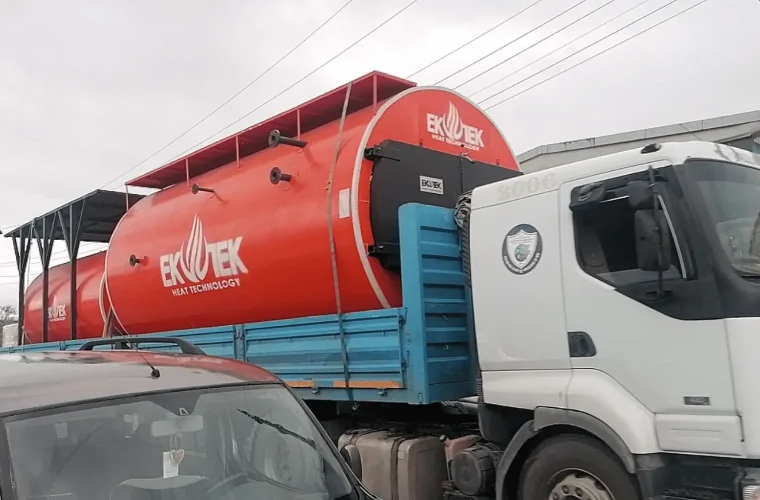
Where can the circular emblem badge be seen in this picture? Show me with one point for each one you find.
(522, 249)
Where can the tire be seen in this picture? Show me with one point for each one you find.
(548, 469)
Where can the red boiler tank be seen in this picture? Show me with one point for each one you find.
(240, 230)
(92, 302)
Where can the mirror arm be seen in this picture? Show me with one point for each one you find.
(658, 229)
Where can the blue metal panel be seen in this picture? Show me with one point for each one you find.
(71, 345)
(416, 354)
(217, 341)
(307, 353)
(434, 297)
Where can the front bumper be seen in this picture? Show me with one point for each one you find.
(683, 477)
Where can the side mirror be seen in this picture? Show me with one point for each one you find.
(640, 195)
(587, 196)
(350, 453)
(648, 247)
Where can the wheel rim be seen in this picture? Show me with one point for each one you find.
(573, 484)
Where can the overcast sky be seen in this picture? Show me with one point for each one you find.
(89, 89)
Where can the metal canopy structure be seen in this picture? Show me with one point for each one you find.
(91, 218)
(366, 91)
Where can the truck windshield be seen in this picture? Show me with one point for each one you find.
(251, 442)
(731, 193)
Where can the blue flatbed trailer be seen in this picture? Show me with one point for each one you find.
(416, 354)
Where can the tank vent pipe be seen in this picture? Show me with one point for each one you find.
(276, 175)
(133, 260)
(275, 139)
(196, 189)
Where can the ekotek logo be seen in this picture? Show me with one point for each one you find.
(450, 128)
(56, 311)
(431, 185)
(186, 271)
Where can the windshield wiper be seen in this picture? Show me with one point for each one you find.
(280, 428)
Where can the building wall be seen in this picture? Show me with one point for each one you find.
(750, 143)
(726, 131)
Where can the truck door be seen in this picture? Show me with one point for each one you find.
(624, 343)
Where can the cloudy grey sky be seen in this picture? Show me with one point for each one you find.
(89, 89)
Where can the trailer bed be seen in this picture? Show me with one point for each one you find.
(415, 354)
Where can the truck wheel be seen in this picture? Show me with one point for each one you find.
(575, 468)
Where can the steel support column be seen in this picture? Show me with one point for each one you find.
(71, 227)
(22, 245)
(45, 246)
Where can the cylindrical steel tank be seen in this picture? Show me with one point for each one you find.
(246, 248)
(92, 302)
(256, 251)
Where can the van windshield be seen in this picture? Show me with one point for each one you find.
(731, 193)
(251, 442)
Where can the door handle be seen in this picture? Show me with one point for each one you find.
(581, 345)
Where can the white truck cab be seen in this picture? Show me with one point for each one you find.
(624, 291)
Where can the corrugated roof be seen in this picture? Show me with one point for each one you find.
(99, 212)
(650, 133)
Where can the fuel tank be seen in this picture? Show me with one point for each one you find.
(92, 302)
(256, 237)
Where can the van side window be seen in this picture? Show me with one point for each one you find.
(606, 247)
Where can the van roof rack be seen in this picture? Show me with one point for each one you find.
(121, 343)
